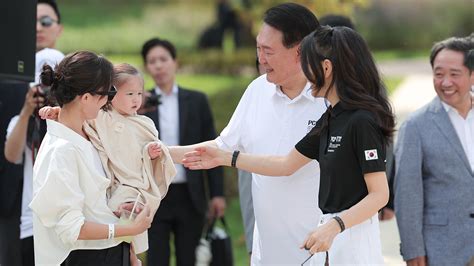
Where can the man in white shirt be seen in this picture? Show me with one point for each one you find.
(274, 113)
(24, 134)
(434, 175)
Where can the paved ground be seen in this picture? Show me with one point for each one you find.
(415, 91)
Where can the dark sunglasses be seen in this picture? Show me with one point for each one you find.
(110, 93)
(46, 21)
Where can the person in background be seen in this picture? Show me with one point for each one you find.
(26, 130)
(182, 117)
(434, 176)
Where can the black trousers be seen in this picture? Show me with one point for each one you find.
(178, 216)
(10, 243)
(114, 256)
(27, 252)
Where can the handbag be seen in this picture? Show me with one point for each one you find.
(215, 248)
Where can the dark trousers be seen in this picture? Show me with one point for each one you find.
(178, 216)
(27, 252)
(114, 256)
(10, 244)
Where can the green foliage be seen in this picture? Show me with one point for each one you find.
(216, 61)
(414, 25)
(122, 27)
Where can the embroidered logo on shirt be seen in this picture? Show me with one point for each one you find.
(371, 155)
(334, 143)
(311, 124)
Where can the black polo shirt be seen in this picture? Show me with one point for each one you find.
(350, 146)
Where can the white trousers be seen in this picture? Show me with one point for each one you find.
(358, 245)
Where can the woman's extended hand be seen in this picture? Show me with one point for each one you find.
(49, 112)
(320, 240)
(204, 158)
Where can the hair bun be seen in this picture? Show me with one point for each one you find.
(47, 75)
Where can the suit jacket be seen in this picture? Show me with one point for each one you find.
(196, 125)
(12, 97)
(434, 189)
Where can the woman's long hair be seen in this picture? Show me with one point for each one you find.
(355, 76)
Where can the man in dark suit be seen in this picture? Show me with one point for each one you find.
(183, 117)
(12, 95)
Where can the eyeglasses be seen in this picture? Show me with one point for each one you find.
(46, 21)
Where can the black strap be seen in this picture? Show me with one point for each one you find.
(234, 158)
(211, 226)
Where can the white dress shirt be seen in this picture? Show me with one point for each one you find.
(286, 209)
(69, 187)
(168, 115)
(464, 129)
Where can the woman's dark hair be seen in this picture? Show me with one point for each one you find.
(334, 20)
(150, 44)
(77, 74)
(53, 5)
(293, 20)
(355, 75)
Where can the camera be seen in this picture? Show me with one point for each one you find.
(44, 91)
(151, 101)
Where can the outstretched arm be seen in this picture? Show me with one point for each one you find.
(210, 157)
(177, 152)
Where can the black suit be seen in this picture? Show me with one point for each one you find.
(183, 209)
(12, 96)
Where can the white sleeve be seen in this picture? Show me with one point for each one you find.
(231, 136)
(10, 128)
(57, 198)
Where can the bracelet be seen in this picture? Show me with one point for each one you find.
(234, 158)
(340, 222)
(111, 231)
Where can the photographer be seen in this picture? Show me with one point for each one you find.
(26, 131)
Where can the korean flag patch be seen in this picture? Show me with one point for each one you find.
(371, 155)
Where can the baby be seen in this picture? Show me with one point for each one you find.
(134, 159)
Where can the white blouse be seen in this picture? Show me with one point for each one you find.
(69, 187)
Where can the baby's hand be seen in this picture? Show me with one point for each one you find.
(49, 112)
(154, 150)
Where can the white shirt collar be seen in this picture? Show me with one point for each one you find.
(174, 90)
(61, 131)
(448, 108)
(305, 93)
